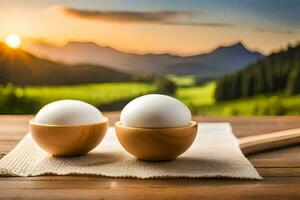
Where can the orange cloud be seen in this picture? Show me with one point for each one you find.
(274, 30)
(153, 17)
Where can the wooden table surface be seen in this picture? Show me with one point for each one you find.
(280, 169)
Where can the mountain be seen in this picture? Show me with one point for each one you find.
(278, 72)
(222, 60)
(21, 68)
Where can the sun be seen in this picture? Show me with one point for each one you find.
(13, 41)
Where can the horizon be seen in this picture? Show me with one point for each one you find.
(29, 50)
(33, 52)
(147, 27)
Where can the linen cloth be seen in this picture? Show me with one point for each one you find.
(214, 153)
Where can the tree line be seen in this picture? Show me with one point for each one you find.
(277, 72)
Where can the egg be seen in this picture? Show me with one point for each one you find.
(155, 111)
(68, 112)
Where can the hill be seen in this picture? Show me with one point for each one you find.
(21, 68)
(277, 72)
(220, 61)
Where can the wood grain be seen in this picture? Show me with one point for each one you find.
(269, 141)
(104, 188)
(68, 140)
(156, 144)
(280, 169)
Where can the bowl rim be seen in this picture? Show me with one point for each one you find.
(32, 122)
(119, 124)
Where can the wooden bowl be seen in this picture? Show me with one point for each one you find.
(68, 140)
(156, 144)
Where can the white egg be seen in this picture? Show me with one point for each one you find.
(68, 112)
(155, 111)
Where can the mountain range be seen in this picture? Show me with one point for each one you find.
(21, 68)
(219, 61)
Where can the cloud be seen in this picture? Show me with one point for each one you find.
(165, 17)
(275, 30)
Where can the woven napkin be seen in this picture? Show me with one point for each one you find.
(215, 153)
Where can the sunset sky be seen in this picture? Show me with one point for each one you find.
(174, 26)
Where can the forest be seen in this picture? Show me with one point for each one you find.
(278, 72)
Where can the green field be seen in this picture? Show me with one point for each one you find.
(182, 81)
(114, 96)
(259, 105)
(197, 95)
(201, 101)
(93, 93)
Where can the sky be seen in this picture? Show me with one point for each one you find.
(157, 26)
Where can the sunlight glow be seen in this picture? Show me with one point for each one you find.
(13, 41)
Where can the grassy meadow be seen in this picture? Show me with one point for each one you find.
(105, 96)
(197, 95)
(114, 96)
(182, 81)
(96, 94)
(201, 101)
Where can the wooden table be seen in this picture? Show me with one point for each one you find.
(280, 169)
